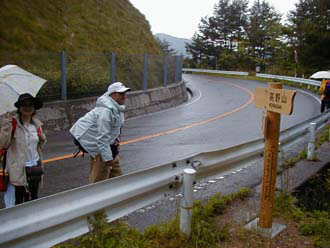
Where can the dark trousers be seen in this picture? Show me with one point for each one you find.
(325, 104)
(24, 194)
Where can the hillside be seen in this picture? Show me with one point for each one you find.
(178, 44)
(89, 25)
(33, 33)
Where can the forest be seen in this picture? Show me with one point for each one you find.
(258, 38)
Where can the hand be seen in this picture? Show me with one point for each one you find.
(6, 122)
(109, 163)
(7, 117)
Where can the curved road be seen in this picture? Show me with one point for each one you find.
(220, 114)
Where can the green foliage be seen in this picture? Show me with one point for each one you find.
(241, 38)
(166, 47)
(309, 207)
(317, 224)
(324, 137)
(32, 35)
(205, 230)
(104, 235)
(314, 194)
(310, 34)
(285, 206)
(91, 26)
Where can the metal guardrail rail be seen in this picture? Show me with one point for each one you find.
(54, 219)
(292, 79)
(216, 71)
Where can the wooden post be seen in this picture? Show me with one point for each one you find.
(270, 165)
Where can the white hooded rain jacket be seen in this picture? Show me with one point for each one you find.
(99, 128)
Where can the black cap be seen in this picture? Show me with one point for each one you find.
(26, 96)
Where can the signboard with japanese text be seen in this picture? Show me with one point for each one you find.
(275, 100)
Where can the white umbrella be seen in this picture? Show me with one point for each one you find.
(321, 75)
(15, 81)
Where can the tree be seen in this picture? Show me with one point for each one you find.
(264, 31)
(166, 47)
(221, 32)
(310, 34)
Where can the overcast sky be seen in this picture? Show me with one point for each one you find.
(180, 18)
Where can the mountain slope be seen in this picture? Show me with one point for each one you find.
(89, 25)
(178, 44)
(33, 33)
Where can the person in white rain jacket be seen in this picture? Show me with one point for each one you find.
(97, 132)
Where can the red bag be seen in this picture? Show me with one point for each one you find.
(4, 176)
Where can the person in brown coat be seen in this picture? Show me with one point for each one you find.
(21, 134)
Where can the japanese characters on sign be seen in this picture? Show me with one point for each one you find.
(276, 100)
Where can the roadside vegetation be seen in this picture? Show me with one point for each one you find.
(216, 224)
(206, 232)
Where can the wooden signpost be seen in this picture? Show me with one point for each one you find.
(276, 101)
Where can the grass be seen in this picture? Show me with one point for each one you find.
(206, 231)
(32, 35)
(315, 224)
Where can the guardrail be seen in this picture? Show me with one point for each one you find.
(54, 219)
(216, 71)
(292, 79)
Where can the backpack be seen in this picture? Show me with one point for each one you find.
(327, 88)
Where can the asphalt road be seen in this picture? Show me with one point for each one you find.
(220, 114)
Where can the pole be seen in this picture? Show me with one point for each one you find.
(145, 72)
(176, 74)
(270, 165)
(165, 71)
(63, 76)
(180, 67)
(187, 201)
(113, 68)
(311, 143)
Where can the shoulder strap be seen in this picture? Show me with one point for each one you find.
(39, 130)
(3, 152)
(14, 126)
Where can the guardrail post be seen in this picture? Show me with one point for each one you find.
(113, 68)
(187, 201)
(177, 68)
(64, 94)
(165, 71)
(145, 72)
(311, 144)
(180, 67)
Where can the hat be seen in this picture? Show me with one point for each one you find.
(117, 87)
(26, 96)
